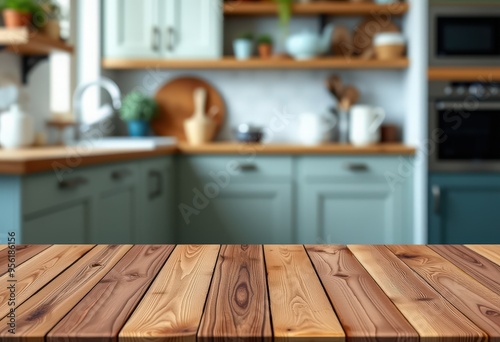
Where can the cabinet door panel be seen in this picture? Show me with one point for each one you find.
(131, 29)
(467, 211)
(337, 213)
(62, 225)
(193, 28)
(115, 219)
(240, 214)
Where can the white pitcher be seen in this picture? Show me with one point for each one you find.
(365, 124)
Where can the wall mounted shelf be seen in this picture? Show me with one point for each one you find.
(240, 8)
(33, 47)
(256, 63)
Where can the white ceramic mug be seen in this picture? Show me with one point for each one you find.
(315, 129)
(365, 124)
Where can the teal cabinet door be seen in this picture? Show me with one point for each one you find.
(155, 202)
(350, 201)
(252, 213)
(464, 209)
(61, 225)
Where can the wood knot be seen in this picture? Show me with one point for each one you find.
(96, 264)
(342, 275)
(406, 256)
(241, 296)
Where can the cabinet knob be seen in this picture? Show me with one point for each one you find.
(247, 167)
(73, 183)
(120, 174)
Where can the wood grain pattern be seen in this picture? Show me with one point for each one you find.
(230, 63)
(23, 42)
(237, 306)
(300, 309)
(480, 268)
(490, 252)
(475, 301)
(364, 310)
(434, 318)
(39, 314)
(35, 273)
(173, 306)
(23, 253)
(105, 309)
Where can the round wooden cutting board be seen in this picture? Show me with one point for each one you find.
(176, 104)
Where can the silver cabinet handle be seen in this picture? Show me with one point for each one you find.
(73, 183)
(120, 174)
(358, 167)
(155, 44)
(436, 193)
(247, 167)
(170, 38)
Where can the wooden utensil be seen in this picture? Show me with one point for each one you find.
(364, 33)
(335, 86)
(349, 98)
(199, 128)
(175, 101)
(342, 42)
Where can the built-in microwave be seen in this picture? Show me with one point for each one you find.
(464, 35)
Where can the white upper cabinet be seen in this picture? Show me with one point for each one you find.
(131, 29)
(177, 29)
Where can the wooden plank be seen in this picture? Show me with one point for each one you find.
(364, 310)
(105, 309)
(473, 74)
(23, 253)
(475, 301)
(237, 306)
(35, 273)
(173, 306)
(230, 63)
(490, 252)
(434, 318)
(300, 308)
(477, 266)
(240, 8)
(22, 41)
(39, 314)
(2, 247)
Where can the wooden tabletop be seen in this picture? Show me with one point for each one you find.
(251, 292)
(22, 162)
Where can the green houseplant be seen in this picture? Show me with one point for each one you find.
(265, 46)
(138, 110)
(19, 13)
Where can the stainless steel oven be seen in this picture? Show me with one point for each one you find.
(465, 35)
(464, 126)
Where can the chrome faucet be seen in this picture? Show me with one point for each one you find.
(103, 112)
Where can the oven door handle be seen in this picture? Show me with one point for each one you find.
(467, 105)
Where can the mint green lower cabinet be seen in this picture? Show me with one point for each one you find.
(62, 225)
(235, 200)
(155, 219)
(353, 200)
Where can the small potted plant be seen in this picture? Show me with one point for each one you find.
(265, 46)
(243, 46)
(19, 13)
(52, 14)
(138, 110)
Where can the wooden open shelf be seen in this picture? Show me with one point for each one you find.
(256, 63)
(27, 43)
(468, 74)
(316, 8)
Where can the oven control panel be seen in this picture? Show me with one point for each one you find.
(478, 90)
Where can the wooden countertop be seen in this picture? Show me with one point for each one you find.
(209, 292)
(22, 162)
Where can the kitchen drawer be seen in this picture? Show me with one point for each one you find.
(353, 167)
(112, 176)
(238, 167)
(46, 190)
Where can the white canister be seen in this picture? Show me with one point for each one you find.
(315, 129)
(365, 124)
(16, 129)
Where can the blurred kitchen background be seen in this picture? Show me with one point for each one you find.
(264, 121)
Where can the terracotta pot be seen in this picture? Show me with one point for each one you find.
(14, 18)
(265, 50)
(52, 29)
